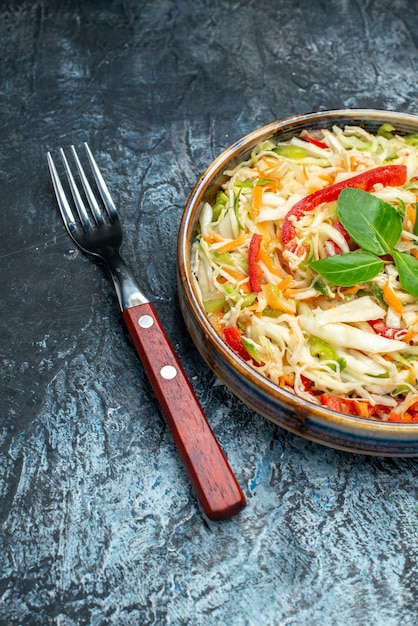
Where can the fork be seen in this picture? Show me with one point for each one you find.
(96, 229)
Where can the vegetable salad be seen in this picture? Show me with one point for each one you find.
(306, 263)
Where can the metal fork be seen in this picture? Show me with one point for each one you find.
(96, 229)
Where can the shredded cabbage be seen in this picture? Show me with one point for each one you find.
(365, 353)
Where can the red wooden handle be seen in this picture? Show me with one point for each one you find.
(216, 487)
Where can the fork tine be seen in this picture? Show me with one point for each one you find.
(80, 206)
(104, 191)
(63, 203)
(95, 209)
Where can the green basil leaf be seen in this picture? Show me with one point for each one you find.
(373, 224)
(349, 268)
(407, 267)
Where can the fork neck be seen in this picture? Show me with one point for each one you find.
(127, 289)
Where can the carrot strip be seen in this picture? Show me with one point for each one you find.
(285, 282)
(292, 292)
(215, 236)
(392, 299)
(268, 161)
(216, 321)
(257, 201)
(412, 377)
(210, 240)
(351, 290)
(263, 229)
(410, 334)
(353, 163)
(274, 184)
(287, 379)
(233, 244)
(327, 177)
(268, 262)
(363, 408)
(240, 278)
(275, 300)
(234, 274)
(411, 214)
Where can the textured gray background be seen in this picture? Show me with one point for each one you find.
(99, 524)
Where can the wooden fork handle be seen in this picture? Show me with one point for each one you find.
(216, 486)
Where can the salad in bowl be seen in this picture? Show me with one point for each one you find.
(304, 262)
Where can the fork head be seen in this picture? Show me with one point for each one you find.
(95, 228)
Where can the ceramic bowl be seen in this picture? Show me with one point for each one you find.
(298, 416)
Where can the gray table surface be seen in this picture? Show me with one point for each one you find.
(99, 524)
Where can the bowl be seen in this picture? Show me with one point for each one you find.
(301, 417)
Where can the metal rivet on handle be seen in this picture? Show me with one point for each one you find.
(168, 372)
(145, 321)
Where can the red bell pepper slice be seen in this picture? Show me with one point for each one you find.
(306, 382)
(254, 269)
(388, 175)
(338, 226)
(334, 247)
(380, 328)
(350, 407)
(315, 142)
(341, 405)
(233, 338)
(407, 416)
